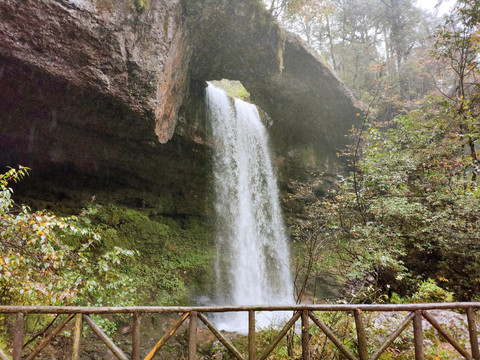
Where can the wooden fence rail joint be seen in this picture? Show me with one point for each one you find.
(50, 337)
(446, 335)
(405, 323)
(280, 336)
(221, 338)
(167, 336)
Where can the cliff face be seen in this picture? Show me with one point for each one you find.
(311, 109)
(99, 97)
(81, 86)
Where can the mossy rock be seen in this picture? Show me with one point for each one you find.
(174, 256)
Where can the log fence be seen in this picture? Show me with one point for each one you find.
(416, 313)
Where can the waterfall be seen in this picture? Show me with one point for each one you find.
(252, 263)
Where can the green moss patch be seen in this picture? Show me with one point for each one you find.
(174, 258)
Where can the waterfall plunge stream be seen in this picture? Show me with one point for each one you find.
(252, 264)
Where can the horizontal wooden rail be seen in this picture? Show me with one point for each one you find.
(415, 314)
(184, 309)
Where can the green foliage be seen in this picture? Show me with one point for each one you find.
(429, 291)
(411, 209)
(173, 257)
(51, 260)
(140, 5)
(38, 266)
(408, 211)
(88, 259)
(233, 88)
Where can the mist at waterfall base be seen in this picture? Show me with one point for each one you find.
(252, 262)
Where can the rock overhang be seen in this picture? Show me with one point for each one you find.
(102, 86)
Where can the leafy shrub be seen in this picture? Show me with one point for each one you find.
(38, 266)
(429, 291)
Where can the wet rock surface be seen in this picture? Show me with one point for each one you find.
(101, 98)
(79, 82)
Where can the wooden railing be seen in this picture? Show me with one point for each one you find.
(416, 312)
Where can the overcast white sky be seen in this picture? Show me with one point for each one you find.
(445, 7)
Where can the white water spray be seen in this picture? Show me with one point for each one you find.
(252, 265)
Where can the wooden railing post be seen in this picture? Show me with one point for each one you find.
(251, 335)
(305, 336)
(18, 336)
(280, 336)
(418, 335)
(167, 336)
(48, 338)
(192, 336)
(136, 336)
(77, 335)
(472, 330)
(119, 354)
(338, 343)
(407, 321)
(361, 335)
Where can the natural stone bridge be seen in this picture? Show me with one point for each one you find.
(100, 96)
(307, 313)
